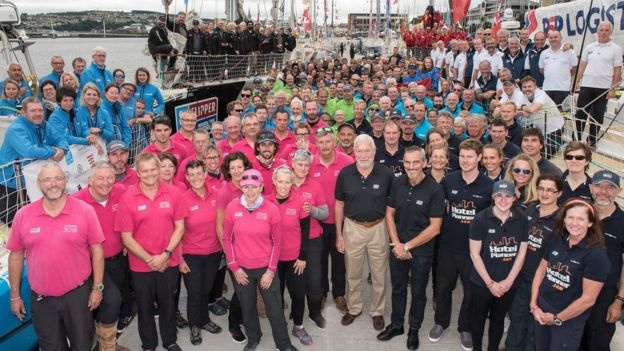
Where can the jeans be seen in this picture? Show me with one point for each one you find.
(520, 334)
(400, 270)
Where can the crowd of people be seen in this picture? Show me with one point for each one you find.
(425, 168)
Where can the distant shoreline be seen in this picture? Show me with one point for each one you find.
(87, 35)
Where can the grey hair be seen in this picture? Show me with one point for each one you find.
(283, 169)
(101, 165)
(302, 155)
(364, 138)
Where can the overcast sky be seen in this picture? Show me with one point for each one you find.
(212, 8)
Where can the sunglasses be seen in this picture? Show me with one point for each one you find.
(120, 76)
(238, 110)
(245, 95)
(522, 170)
(324, 130)
(575, 157)
(250, 176)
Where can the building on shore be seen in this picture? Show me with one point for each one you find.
(486, 11)
(358, 22)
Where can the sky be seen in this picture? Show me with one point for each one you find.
(213, 8)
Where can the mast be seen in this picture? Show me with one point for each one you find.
(370, 20)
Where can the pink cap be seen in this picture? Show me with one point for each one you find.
(251, 177)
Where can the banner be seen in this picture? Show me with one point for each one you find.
(76, 164)
(572, 18)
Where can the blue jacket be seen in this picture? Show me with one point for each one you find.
(53, 76)
(517, 66)
(24, 140)
(10, 104)
(150, 94)
(24, 84)
(119, 121)
(101, 77)
(102, 121)
(433, 75)
(475, 108)
(60, 121)
(533, 57)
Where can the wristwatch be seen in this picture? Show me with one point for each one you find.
(98, 287)
(406, 247)
(619, 298)
(167, 252)
(558, 322)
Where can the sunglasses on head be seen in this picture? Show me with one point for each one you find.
(522, 170)
(250, 176)
(324, 130)
(575, 157)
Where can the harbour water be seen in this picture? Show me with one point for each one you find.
(124, 53)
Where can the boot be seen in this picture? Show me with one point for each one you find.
(260, 305)
(107, 337)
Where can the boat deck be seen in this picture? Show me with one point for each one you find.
(358, 336)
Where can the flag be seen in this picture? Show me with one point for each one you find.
(497, 22)
(460, 9)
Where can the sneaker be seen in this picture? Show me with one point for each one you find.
(435, 334)
(181, 323)
(466, 340)
(251, 346)
(211, 327)
(217, 309)
(223, 302)
(237, 335)
(302, 334)
(196, 338)
(123, 323)
(319, 321)
(174, 347)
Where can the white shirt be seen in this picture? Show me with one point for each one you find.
(496, 61)
(557, 66)
(548, 118)
(517, 97)
(601, 61)
(450, 60)
(438, 57)
(460, 64)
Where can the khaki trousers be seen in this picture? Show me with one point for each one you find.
(360, 241)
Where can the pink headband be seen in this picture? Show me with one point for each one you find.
(577, 201)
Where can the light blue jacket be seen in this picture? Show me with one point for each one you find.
(10, 104)
(119, 121)
(24, 140)
(53, 76)
(101, 77)
(60, 121)
(150, 94)
(102, 120)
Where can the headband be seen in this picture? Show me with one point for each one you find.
(577, 201)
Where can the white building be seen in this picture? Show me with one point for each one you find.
(486, 11)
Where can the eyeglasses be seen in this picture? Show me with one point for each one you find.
(522, 170)
(409, 106)
(188, 120)
(238, 110)
(302, 134)
(575, 157)
(211, 158)
(252, 176)
(120, 76)
(52, 179)
(58, 63)
(245, 95)
(324, 130)
(541, 189)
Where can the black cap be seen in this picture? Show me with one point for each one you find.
(395, 113)
(257, 80)
(195, 22)
(162, 18)
(266, 136)
(347, 125)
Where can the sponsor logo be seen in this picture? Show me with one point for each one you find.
(263, 216)
(164, 204)
(291, 211)
(141, 207)
(238, 214)
(35, 230)
(194, 208)
(70, 228)
(559, 275)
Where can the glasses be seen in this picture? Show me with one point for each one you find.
(373, 109)
(324, 130)
(212, 158)
(522, 170)
(188, 120)
(239, 110)
(541, 189)
(302, 134)
(608, 187)
(245, 95)
(575, 157)
(49, 180)
(120, 76)
(58, 63)
(250, 176)
(409, 106)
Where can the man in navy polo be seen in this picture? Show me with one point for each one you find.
(467, 192)
(413, 217)
(607, 309)
(390, 153)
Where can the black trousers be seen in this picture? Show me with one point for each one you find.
(596, 110)
(59, 319)
(565, 337)
(338, 273)
(314, 276)
(598, 333)
(557, 96)
(273, 304)
(296, 284)
(484, 305)
(115, 270)
(151, 287)
(127, 294)
(450, 266)
(198, 284)
(217, 288)
(235, 317)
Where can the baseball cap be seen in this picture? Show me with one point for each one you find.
(504, 187)
(346, 125)
(162, 18)
(271, 79)
(347, 87)
(376, 115)
(266, 136)
(606, 176)
(409, 118)
(395, 113)
(115, 145)
(251, 177)
(411, 65)
(257, 80)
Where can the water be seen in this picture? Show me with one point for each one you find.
(124, 53)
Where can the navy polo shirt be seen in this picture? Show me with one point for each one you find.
(414, 207)
(510, 151)
(582, 191)
(547, 167)
(500, 242)
(453, 144)
(415, 141)
(364, 199)
(489, 85)
(533, 63)
(613, 228)
(394, 162)
(364, 128)
(567, 267)
(515, 133)
(539, 235)
(464, 202)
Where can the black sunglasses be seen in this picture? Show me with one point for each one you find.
(522, 170)
(238, 110)
(324, 130)
(245, 95)
(252, 176)
(575, 157)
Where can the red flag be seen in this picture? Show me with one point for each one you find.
(460, 9)
(497, 22)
